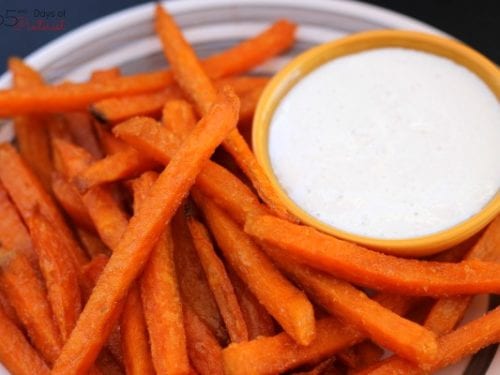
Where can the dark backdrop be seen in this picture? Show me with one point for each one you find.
(477, 22)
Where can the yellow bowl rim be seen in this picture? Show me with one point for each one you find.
(316, 56)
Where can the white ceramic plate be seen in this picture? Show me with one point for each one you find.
(126, 39)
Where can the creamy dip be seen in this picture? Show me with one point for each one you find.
(389, 143)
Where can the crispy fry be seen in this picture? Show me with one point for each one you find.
(448, 312)
(31, 132)
(27, 193)
(369, 268)
(116, 109)
(163, 309)
(103, 75)
(16, 353)
(61, 277)
(288, 305)
(8, 310)
(161, 298)
(143, 230)
(193, 283)
(258, 320)
(118, 166)
(90, 274)
(193, 80)
(134, 335)
(353, 306)
(92, 243)
(26, 293)
(276, 354)
(219, 282)
(13, 233)
(214, 181)
(106, 214)
(249, 102)
(109, 143)
(69, 97)
(178, 117)
(205, 352)
(69, 198)
(82, 131)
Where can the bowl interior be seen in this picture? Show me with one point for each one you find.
(310, 60)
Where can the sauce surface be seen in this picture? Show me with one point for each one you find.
(389, 143)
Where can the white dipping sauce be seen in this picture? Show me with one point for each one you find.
(389, 143)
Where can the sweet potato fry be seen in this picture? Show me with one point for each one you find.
(370, 268)
(82, 131)
(92, 244)
(116, 109)
(287, 304)
(353, 306)
(31, 133)
(215, 181)
(27, 193)
(108, 217)
(16, 353)
(219, 282)
(134, 335)
(160, 296)
(25, 292)
(448, 312)
(90, 274)
(205, 352)
(193, 80)
(178, 117)
(13, 233)
(118, 166)
(97, 318)
(249, 102)
(61, 277)
(258, 320)
(240, 58)
(163, 309)
(70, 200)
(276, 354)
(109, 143)
(69, 97)
(103, 75)
(193, 283)
(8, 310)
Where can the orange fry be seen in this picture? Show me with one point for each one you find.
(178, 117)
(214, 181)
(193, 80)
(277, 354)
(13, 233)
(205, 352)
(163, 309)
(103, 75)
(134, 335)
(370, 268)
(258, 320)
(193, 283)
(70, 200)
(219, 282)
(31, 132)
(27, 193)
(353, 306)
(82, 131)
(26, 293)
(161, 298)
(61, 277)
(16, 353)
(287, 304)
(144, 229)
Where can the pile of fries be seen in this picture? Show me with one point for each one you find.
(128, 246)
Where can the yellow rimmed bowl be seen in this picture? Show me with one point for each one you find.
(303, 64)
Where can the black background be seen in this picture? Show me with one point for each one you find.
(474, 22)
